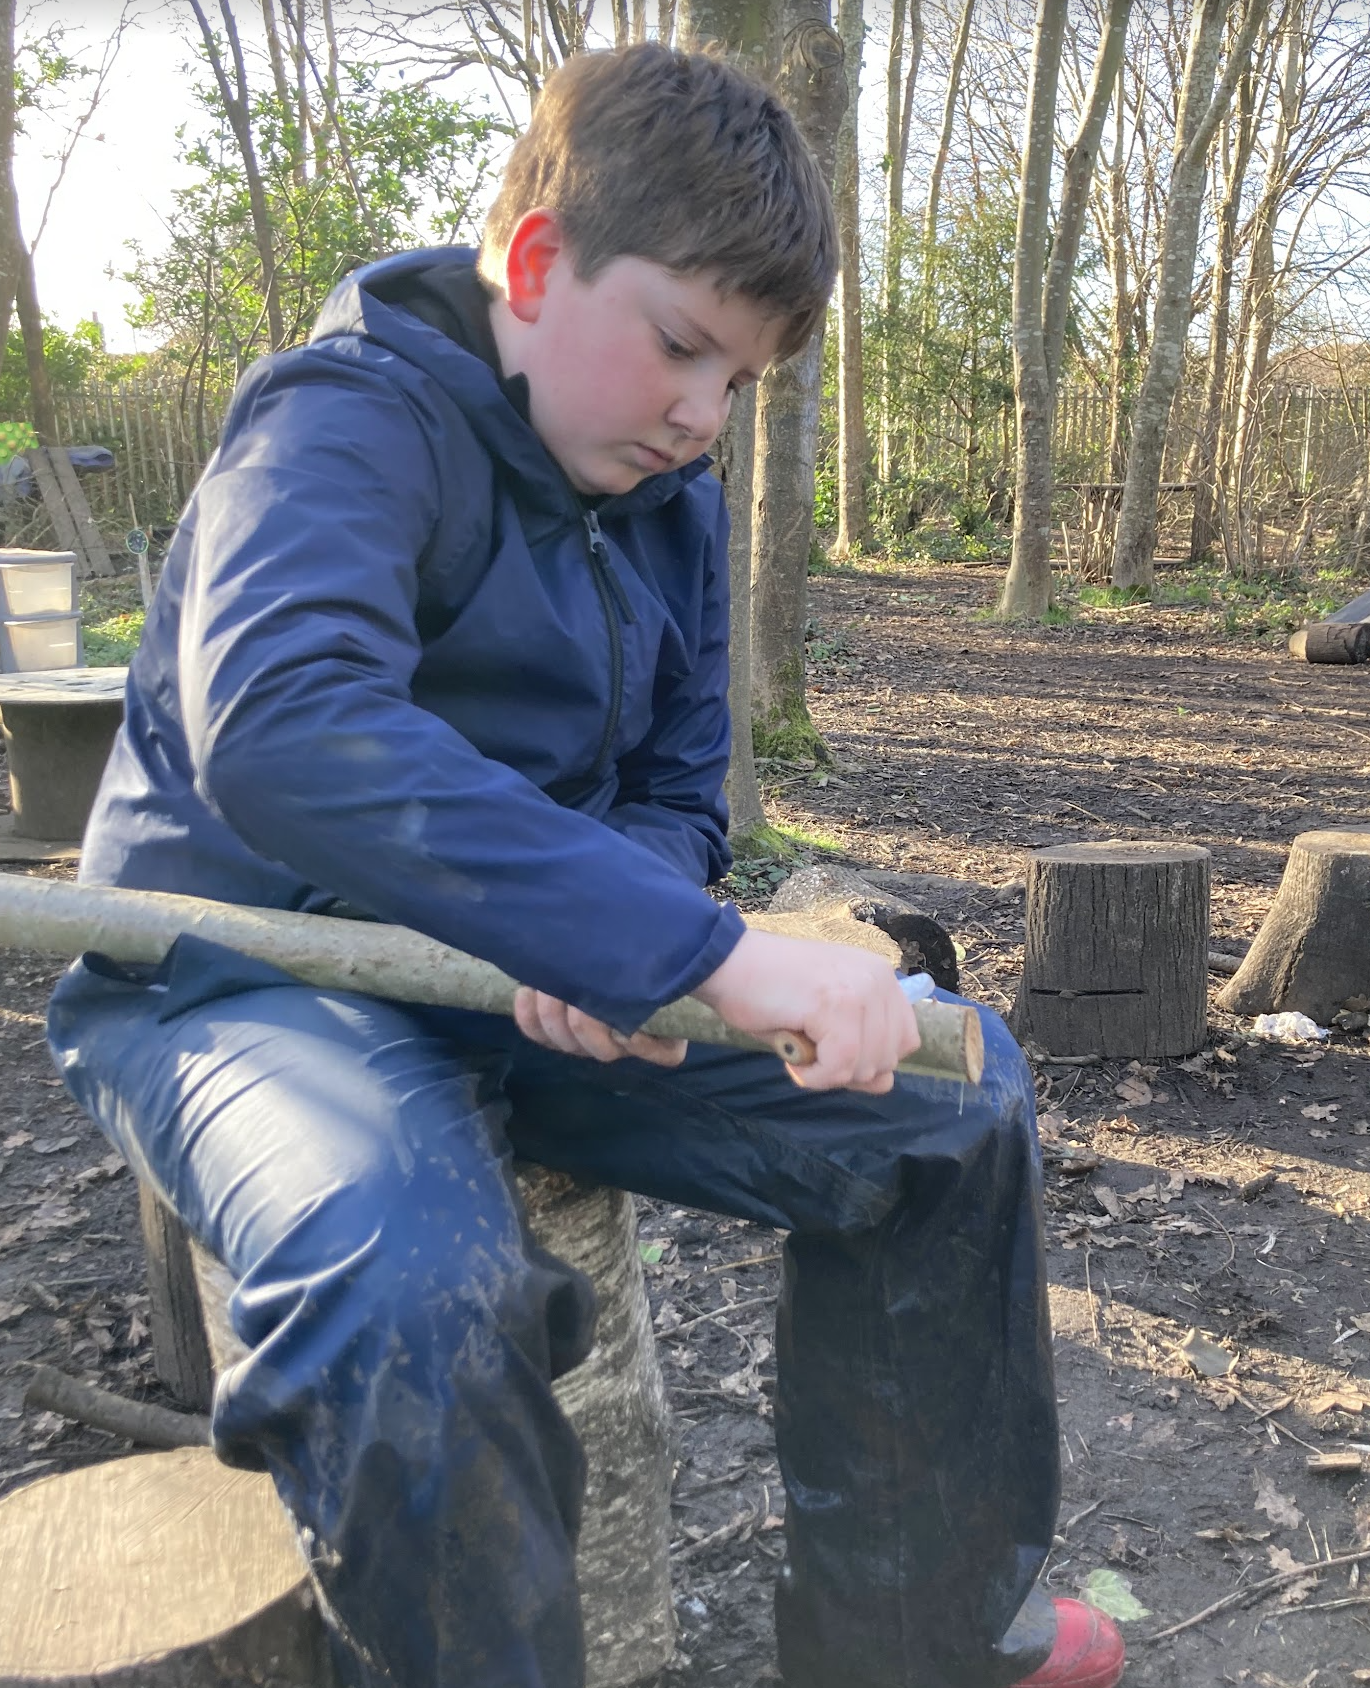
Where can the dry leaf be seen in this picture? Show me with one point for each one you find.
(1278, 1508)
(10, 1311)
(1135, 1092)
(1107, 1199)
(1281, 1560)
(1319, 1110)
(53, 1145)
(1122, 1422)
(1207, 1358)
(16, 1140)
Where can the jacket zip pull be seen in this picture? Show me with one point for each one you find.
(599, 552)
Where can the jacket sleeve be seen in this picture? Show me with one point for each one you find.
(298, 646)
(671, 785)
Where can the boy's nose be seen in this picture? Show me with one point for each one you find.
(701, 414)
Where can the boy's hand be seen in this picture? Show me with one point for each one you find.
(554, 1024)
(846, 1001)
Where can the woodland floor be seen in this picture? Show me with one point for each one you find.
(962, 745)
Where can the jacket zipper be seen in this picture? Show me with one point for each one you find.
(614, 602)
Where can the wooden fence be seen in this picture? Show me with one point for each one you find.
(1312, 440)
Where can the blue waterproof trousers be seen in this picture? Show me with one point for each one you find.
(349, 1160)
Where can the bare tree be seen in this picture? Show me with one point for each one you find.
(852, 444)
(1201, 108)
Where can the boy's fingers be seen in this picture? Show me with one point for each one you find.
(660, 1051)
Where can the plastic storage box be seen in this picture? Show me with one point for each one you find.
(41, 641)
(37, 583)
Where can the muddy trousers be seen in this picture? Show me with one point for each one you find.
(349, 1161)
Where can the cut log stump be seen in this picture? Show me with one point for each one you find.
(1313, 952)
(1116, 957)
(161, 1570)
(615, 1401)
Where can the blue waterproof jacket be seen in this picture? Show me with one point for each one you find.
(395, 662)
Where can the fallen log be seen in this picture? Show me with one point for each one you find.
(1331, 641)
(144, 1424)
(57, 918)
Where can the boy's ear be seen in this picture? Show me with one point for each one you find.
(537, 242)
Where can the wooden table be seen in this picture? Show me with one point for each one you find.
(58, 726)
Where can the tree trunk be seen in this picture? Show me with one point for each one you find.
(1041, 304)
(736, 462)
(1027, 586)
(852, 448)
(813, 85)
(750, 31)
(1201, 108)
(932, 204)
(41, 407)
(237, 109)
(1258, 309)
(1313, 952)
(899, 91)
(1206, 460)
(1116, 956)
(1120, 348)
(11, 240)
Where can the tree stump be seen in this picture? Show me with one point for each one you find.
(1313, 951)
(158, 1571)
(826, 894)
(1332, 641)
(1116, 956)
(615, 1401)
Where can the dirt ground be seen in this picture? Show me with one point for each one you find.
(1228, 1193)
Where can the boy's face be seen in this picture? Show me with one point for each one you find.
(630, 374)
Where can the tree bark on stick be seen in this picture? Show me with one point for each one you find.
(1202, 106)
(56, 918)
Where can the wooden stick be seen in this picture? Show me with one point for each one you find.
(58, 918)
(1253, 1589)
(150, 1426)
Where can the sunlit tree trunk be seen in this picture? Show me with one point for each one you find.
(41, 407)
(1201, 108)
(813, 84)
(932, 204)
(1120, 344)
(1041, 302)
(852, 447)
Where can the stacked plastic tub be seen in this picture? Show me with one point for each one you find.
(40, 618)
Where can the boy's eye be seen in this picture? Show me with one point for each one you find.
(675, 348)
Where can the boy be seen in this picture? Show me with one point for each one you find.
(442, 638)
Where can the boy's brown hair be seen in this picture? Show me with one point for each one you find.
(679, 158)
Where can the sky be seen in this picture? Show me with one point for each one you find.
(122, 172)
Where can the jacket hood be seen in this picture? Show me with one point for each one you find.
(353, 308)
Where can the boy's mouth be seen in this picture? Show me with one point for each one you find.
(651, 458)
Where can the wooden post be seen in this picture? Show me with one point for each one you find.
(615, 1401)
(1313, 952)
(1116, 957)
